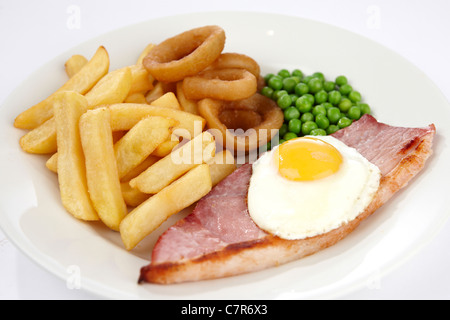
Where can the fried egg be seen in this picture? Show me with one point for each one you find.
(310, 186)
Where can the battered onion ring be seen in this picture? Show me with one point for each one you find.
(221, 84)
(259, 116)
(237, 61)
(186, 54)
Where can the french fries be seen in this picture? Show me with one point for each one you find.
(68, 108)
(152, 213)
(141, 81)
(186, 104)
(144, 53)
(132, 196)
(221, 166)
(166, 147)
(199, 150)
(168, 100)
(101, 167)
(75, 64)
(41, 140)
(116, 141)
(124, 116)
(81, 82)
(137, 97)
(112, 88)
(141, 141)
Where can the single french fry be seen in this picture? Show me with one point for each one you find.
(168, 100)
(179, 195)
(133, 197)
(197, 151)
(41, 140)
(52, 163)
(68, 108)
(140, 79)
(145, 53)
(137, 97)
(75, 64)
(101, 167)
(144, 165)
(186, 104)
(155, 93)
(81, 82)
(112, 88)
(221, 166)
(141, 141)
(124, 116)
(166, 148)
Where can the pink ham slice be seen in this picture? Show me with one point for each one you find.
(219, 238)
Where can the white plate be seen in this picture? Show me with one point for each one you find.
(33, 218)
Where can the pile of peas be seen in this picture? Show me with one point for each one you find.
(313, 105)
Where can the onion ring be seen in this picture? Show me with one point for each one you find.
(258, 115)
(237, 61)
(221, 84)
(185, 54)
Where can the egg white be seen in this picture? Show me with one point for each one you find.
(297, 210)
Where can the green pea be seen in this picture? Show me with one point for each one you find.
(345, 105)
(319, 109)
(315, 85)
(322, 121)
(327, 105)
(344, 122)
(291, 113)
(281, 141)
(289, 136)
(284, 73)
(318, 132)
(303, 104)
(268, 76)
(297, 79)
(310, 98)
(308, 126)
(269, 146)
(285, 101)
(307, 79)
(334, 114)
(276, 83)
(301, 89)
(332, 129)
(308, 116)
(297, 73)
(334, 97)
(294, 98)
(289, 84)
(283, 130)
(341, 80)
(320, 76)
(329, 86)
(267, 91)
(354, 113)
(365, 108)
(321, 97)
(345, 89)
(354, 96)
(295, 126)
(278, 93)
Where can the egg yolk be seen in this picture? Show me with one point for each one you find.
(307, 159)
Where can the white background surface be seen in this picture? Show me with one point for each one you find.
(33, 32)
